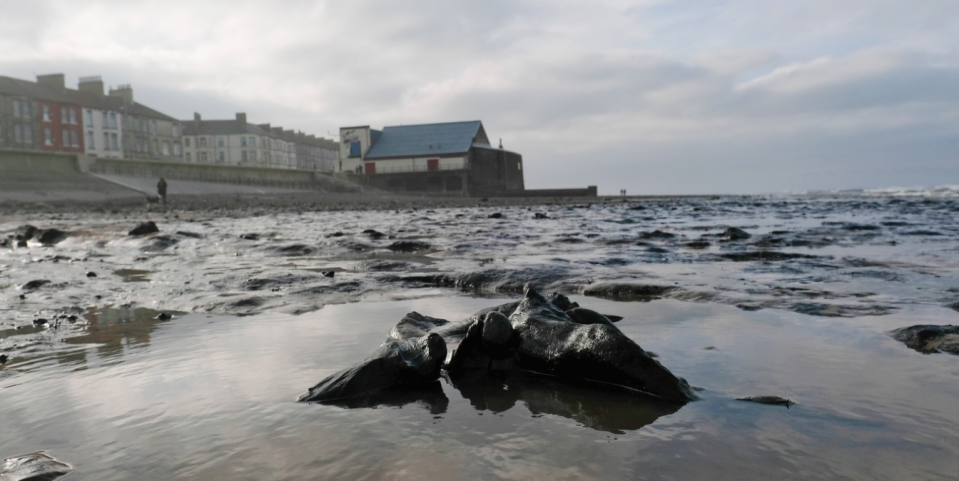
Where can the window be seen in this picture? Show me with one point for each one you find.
(253, 155)
(17, 133)
(64, 117)
(176, 130)
(242, 141)
(106, 141)
(176, 149)
(46, 113)
(222, 156)
(90, 144)
(74, 138)
(113, 120)
(166, 148)
(201, 157)
(16, 109)
(252, 141)
(27, 134)
(88, 117)
(189, 158)
(73, 116)
(202, 142)
(219, 141)
(243, 156)
(156, 147)
(48, 137)
(153, 127)
(355, 148)
(113, 142)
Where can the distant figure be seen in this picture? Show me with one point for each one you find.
(161, 190)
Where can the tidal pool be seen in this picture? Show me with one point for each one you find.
(212, 397)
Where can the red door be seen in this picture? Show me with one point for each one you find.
(370, 168)
(432, 164)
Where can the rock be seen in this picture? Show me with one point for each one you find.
(164, 316)
(561, 301)
(656, 234)
(40, 322)
(91, 274)
(408, 246)
(49, 237)
(954, 306)
(774, 400)
(397, 362)
(696, 245)
(549, 343)
(764, 256)
(637, 207)
(250, 236)
(583, 316)
(414, 325)
(929, 339)
(25, 232)
(495, 215)
(21, 243)
(160, 243)
(540, 216)
(374, 234)
(546, 340)
(628, 292)
(144, 228)
(33, 467)
(3, 359)
(35, 284)
(192, 235)
(329, 274)
(735, 233)
(295, 250)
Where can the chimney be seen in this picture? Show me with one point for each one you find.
(196, 121)
(92, 84)
(241, 118)
(57, 80)
(124, 91)
(265, 126)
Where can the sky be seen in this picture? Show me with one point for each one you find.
(651, 96)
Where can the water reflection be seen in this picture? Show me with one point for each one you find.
(113, 328)
(601, 407)
(429, 396)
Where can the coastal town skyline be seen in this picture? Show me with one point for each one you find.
(653, 97)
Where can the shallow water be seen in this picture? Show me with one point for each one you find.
(801, 310)
(212, 397)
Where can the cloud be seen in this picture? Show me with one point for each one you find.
(608, 90)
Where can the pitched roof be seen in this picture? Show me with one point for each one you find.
(221, 127)
(26, 88)
(427, 139)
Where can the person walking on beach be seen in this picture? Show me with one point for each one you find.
(161, 190)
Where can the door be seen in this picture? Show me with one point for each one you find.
(370, 168)
(432, 164)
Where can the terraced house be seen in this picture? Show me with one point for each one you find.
(46, 116)
(39, 115)
(240, 143)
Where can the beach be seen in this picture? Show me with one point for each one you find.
(785, 295)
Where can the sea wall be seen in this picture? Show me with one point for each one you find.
(281, 178)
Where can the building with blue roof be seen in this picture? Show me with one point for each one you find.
(452, 158)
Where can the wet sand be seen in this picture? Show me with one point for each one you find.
(791, 296)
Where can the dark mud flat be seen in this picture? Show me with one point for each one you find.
(793, 297)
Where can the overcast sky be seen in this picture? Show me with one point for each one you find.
(656, 97)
